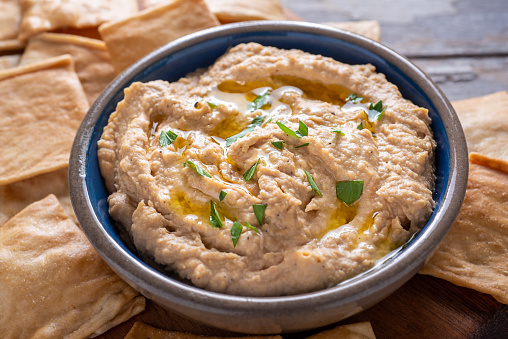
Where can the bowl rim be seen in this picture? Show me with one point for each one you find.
(154, 284)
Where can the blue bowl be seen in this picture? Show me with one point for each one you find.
(269, 314)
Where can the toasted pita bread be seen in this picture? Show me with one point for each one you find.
(10, 17)
(7, 46)
(228, 11)
(53, 283)
(132, 38)
(369, 28)
(50, 15)
(474, 252)
(18, 195)
(91, 58)
(41, 107)
(485, 123)
(9, 61)
(361, 330)
(140, 330)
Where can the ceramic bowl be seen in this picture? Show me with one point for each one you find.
(269, 314)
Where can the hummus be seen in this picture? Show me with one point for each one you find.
(273, 172)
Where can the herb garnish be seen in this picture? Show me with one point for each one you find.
(259, 212)
(214, 216)
(236, 231)
(378, 108)
(349, 191)
(278, 144)
(250, 172)
(167, 138)
(259, 102)
(251, 227)
(302, 131)
(303, 145)
(257, 121)
(360, 127)
(211, 104)
(354, 98)
(313, 184)
(222, 195)
(338, 131)
(198, 169)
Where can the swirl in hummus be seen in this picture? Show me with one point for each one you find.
(273, 172)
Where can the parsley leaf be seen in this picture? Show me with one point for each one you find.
(250, 172)
(198, 169)
(236, 231)
(303, 145)
(338, 131)
(251, 227)
(354, 98)
(376, 111)
(303, 130)
(278, 145)
(259, 102)
(313, 184)
(257, 121)
(360, 127)
(211, 104)
(167, 138)
(349, 191)
(214, 216)
(259, 212)
(222, 195)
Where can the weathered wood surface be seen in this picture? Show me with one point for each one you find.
(463, 46)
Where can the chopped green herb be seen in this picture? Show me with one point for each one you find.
(287, 130)
(257, 121)
(198, 169)
(211, 104)
(236, 231)
(360, 127)
(376, 111)
(278, 145)
(349, 191)
(222, 195)
(214, 216)
(259, 102)
(251, 227)
(269, 120)
(303, 145)
(338, 131)
(259, 212)
(303, 130)
(313, 184)
(167, 138)
(250, 172)
(354, 98)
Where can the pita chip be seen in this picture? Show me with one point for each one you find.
(50, 15)
(361, 330)
(10, 17)
(368, 28)
(18, 195)
(91, 58)
(228, 11)
(474, 253)
(485, 123)
(53, 283)
(132, 38)
(9, 61)
(41, 107)
(140, 330)
(12, 45)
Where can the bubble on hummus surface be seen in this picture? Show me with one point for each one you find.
(200, 220)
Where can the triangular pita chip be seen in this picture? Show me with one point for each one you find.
(91, 58)
(9, 61)
(245, 10)
(474, 253)
(41, 107)
(140, 330)
(369, 28)
(10, 17)
(132, 38)
(11, 45)
(53, 283)
(50, 15)
(485, 123)
(18, 195)
(361, 330)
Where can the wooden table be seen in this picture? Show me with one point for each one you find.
(463, 46)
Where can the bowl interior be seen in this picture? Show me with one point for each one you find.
(174, 65)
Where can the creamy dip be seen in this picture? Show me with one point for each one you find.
(273, 172)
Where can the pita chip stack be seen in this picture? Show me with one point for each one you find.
(53, 283)
(228, 11)
(41, 107)
(368, 28)
(132, 38)
(91, 58)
